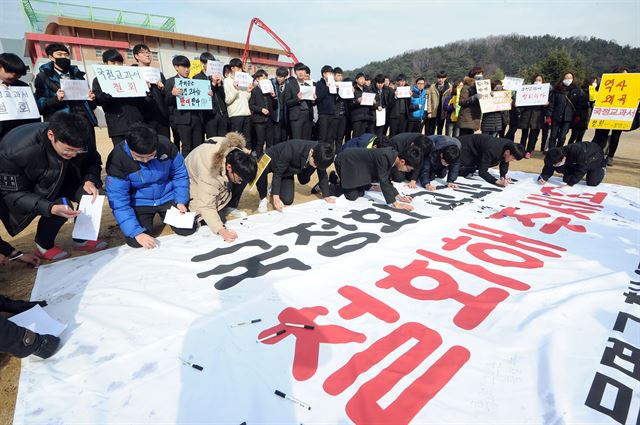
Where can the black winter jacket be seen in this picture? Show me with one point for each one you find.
(580, 157)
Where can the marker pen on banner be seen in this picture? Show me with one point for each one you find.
(293, 400)
(246, 323)
(195, 366)
(296, 325)
(65, 202)
(271, 336)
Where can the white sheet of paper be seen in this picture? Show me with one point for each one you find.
(150, 74)
(368, 99)
(121, 81)
(345, 89)
(88, 222)
(381, 117)
(214, 67)
(17, 103)
(181, 221)
(243, 79)
(512, 83)
(331, 83)
(403, 92)
(307, 92)
(75, 89)
(266, 86)
(37, 320)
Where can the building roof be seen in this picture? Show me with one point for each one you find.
(54, 21)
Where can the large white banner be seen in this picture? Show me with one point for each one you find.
(484, 305)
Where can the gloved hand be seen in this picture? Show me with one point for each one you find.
(43, 346)
(547, 120)
(18, 306)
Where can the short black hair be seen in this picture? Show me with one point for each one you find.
(282, 72)
(112, 55)
(516, 150)
(260, 73)
(181, 60)
(326, 68)
(140, 47)
(401, 77)
(13, 64)
(142, 139)
(243, 164)
(450, 154)
(421, 78)
(323, 155)
(359, 75)
(55, 47)
(553, 156)
(367, 77)
(379, 79)
(382, 142)
(298, 66)
(337, 70)
(441, 74)
(412, 156)
(235, 63)
(70, 129)
(206, 56)
(225, 69)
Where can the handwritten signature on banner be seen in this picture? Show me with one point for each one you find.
(555, 211)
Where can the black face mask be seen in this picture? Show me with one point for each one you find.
(63, 63)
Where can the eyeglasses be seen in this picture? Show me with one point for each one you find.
(144, 52)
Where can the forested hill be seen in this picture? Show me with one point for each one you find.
(513, 55)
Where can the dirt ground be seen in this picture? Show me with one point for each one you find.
(16, 280)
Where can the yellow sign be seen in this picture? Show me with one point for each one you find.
(617, 102)
(262, 165)
(196, 67)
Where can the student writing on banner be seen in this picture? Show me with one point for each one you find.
(443, 160)
(398, 109)
(216, 120)
(43, 166)
(218, 172)
(187, 123)
(566, 103)
(155, 112)
(326, 102)
(400, 143)
(120, 112)
(261, 105)
(574, 161)
(531, 121)
(50, 97)
(11, 69)
(295, 157)
(437, 93)
(362, 116)
(237, 99)
(479, 152)
(469, 101)
(417, 106)
(146, 176)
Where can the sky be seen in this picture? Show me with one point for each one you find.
(352, 33)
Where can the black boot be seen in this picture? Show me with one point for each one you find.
(21, 342)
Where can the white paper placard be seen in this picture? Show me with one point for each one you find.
(308, 92)
(403, 92)
(243, 79)
(150, 74)
(368, 99)
(75, 89)
(121, 81)
(17, 103)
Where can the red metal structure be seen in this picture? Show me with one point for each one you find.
(281, 43)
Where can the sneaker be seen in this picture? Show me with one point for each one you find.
(527, 155)
(91, 246)
(52, 254)
(234, 212)
(609, 161)
(263, 206)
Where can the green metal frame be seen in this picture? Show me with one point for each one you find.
(37, 11)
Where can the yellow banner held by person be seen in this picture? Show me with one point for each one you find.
(617, 102)
(262, 165)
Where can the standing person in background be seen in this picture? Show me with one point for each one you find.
(566, 102)
(417, 106)
(492, 122)
(530, 121)
(399, 109)
(215, 121)
(469, 101)
(451, 109)
(261, 105)
(154, 113)
(436, 105)
(11, 69)
(237, 99)
(361, 115)
(581, 119)
(602, 136)
(326, 101)
(382, 94)
(120, 112)
(298, 108)
(342, 112)
(187, 123)
(280, 112)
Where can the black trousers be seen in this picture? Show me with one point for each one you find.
(341, 127)
(361, 127)
(465, 131)
(397, 126)
(241, 125)
(117, 139)
(576, 135)
(435, 126)
(595, 176)
(415, 126)
(529, 138)
(465, 170)
(327, 126)
(216, 125)
(559, 132)
(161, 127)
(264, 135)
(601, 138)
(145, 216)
(191, 135)
(301, 128)
(279, 132)
(287, 186)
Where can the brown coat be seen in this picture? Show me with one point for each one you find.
(434, 99)
(208, 181)
(470, 113)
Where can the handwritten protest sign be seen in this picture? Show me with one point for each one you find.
(266, 86)
(150, 74)
(243, 79)
(214, 68)
(121, 81)
(403, 92)
(75, 89)
(331, 83)
(195, 94)
(17, 103)
(617, 102)
(345, 90)
(512, 83)
(497, 101)
(483, 87)
(533, 95)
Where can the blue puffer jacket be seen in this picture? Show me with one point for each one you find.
(135, 184)
(417, 105)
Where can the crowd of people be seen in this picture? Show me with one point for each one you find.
(201, 160)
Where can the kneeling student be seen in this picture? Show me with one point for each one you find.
(146, 176)
(218, 172)
(444, 160)
(482, 151)
(574, 161)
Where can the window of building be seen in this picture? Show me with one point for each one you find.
(129, 54)
(99, 52)
(155, 56)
